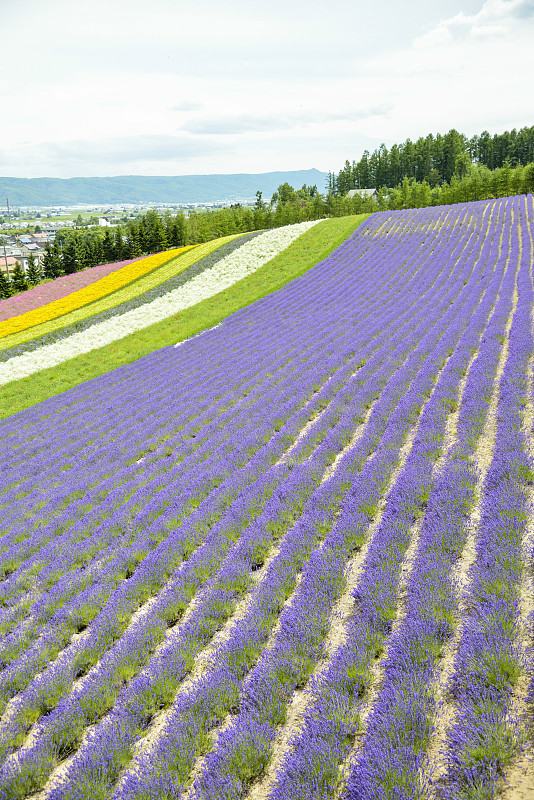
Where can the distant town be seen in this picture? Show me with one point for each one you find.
(26, 230)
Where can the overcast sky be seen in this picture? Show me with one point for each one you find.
(167, 87)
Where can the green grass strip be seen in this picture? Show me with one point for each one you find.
(306, 251)
(138, 286)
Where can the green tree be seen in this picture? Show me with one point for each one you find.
(108, 248)
(69, 257)
(284, 194)
(158, 241)
(33, 273)
(5, 285)
(18, 278)
(528, 178)
(132, 239)
(180, 231)
(52, 260)
(462, 165)
(118, 244)
(505, 179)
(433, 177)
(83, 252)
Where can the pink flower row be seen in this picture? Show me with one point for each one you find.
(44, 293)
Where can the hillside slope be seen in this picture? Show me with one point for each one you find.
(95, 359)
(289, 557)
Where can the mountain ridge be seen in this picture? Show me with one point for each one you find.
(216, 187)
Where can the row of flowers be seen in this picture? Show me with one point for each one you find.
(162, 280)
(161, 487)
(248, 258)
(97, 289)
(23, 552)
(45, 293)
(47, 689)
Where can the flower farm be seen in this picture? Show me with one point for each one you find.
(288, 555)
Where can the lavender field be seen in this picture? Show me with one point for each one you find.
(293, 557)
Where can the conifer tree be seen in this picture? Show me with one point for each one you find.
(180, 231)
(33, 273)
(5, 285)
(19, 281)
(52, 261)
(118, 244)
(108, 248)
(69, 257)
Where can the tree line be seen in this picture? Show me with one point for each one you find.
(151, 233)
(435, 159)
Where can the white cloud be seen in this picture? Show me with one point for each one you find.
(180, 88)
(495, 18)
(239, 124)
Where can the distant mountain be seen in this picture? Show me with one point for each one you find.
(147, 189)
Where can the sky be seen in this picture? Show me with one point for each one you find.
(167, 87)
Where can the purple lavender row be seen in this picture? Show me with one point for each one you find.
(392, 755)
(79, 391)
(483, 740)
(238, 756)
(92, 383)
(46, 693)
(177, 470)
(94, 749)
(312, 766)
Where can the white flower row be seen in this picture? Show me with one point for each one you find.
(240, 263)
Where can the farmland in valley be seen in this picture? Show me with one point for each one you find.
(284, 550)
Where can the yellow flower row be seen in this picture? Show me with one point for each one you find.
(155, 278)
(104, 286)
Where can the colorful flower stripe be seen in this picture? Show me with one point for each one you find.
(110, 283)
(55, 289)
(139, 287)
(243, 262)
(20, 345)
